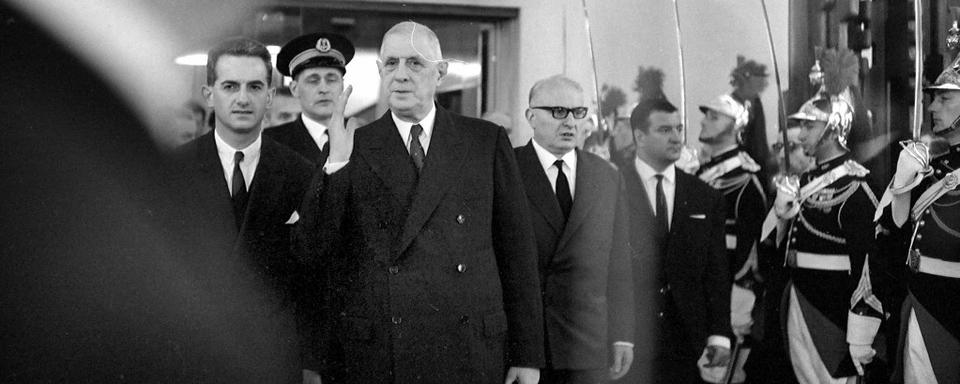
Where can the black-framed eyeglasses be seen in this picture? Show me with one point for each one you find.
(561, 113)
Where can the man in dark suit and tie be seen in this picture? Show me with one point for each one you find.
(256, 183)
(420, 223)
(579, 211)
(681, 272)
(317, 63)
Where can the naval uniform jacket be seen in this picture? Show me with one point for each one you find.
(296, 136)
(584, 261)
(837, 220)
(746, 205)
(430, 278)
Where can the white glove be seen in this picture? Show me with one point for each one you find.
(741, 305)
(862, 355)
(913, 161)
(786, 204)
(861, 331)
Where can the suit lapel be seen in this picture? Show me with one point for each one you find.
(587, 191)
(681, 197)
(383, 152)
(440, 169)
(541, 196)
(212, 180)
(643, 207)
(264, 186)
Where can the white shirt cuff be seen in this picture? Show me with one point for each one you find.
(623, 343)
(719, 341)
(332, 167)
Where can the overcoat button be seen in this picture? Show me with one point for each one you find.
(397, 319)
(461, 268)
(394, 269)
(460, 219)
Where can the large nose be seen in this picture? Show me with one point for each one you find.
(243, 98)
(935, 105)
(402, 73)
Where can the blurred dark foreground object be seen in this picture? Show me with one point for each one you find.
(110, 271)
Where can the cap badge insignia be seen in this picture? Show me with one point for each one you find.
(323, 45)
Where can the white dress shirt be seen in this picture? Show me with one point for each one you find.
(251, 157)
(403, 128)
(569, 166)
(649, 178)
(317, 130)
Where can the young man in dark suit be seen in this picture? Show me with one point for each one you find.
(420, 222)
(256, 183)
(681, 269)
(579, 211)
(317, 63)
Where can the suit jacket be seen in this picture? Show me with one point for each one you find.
(295, 136)
(263, 240)
(429, 278)
(585, 263)
(692, 266)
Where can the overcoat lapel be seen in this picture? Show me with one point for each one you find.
(539, 193)
(440, 170)
(383, 152)
(587, 193)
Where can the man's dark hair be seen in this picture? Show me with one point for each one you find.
(639, 118)
(238, 46)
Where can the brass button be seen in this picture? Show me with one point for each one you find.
(919, 236)
(460, 219)
(394, 269)
(397, 319)
(461, 268)
(660, 315)
(922, 223)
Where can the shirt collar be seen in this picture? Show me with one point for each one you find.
(313, 125)
(226, 151)
(547, 158)
(426, 123)
(646, 172)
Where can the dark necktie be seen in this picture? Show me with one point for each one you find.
(662, 214)
(416, 149)
(239, 190)
(563, 190)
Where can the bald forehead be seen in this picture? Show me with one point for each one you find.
(417, 36)
(552, 87)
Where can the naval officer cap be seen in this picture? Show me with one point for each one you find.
(315, 50)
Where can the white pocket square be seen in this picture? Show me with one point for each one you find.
(293, 218)
(699, 216)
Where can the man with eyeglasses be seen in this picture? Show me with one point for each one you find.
(419, 223)
(681, 268)
(579, 213)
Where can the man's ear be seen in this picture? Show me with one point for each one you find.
(293, 88)
(529, 115)
(207, 92)
(270, 94)
(442, 68)
(637, 135)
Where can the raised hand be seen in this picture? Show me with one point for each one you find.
(341, 136)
